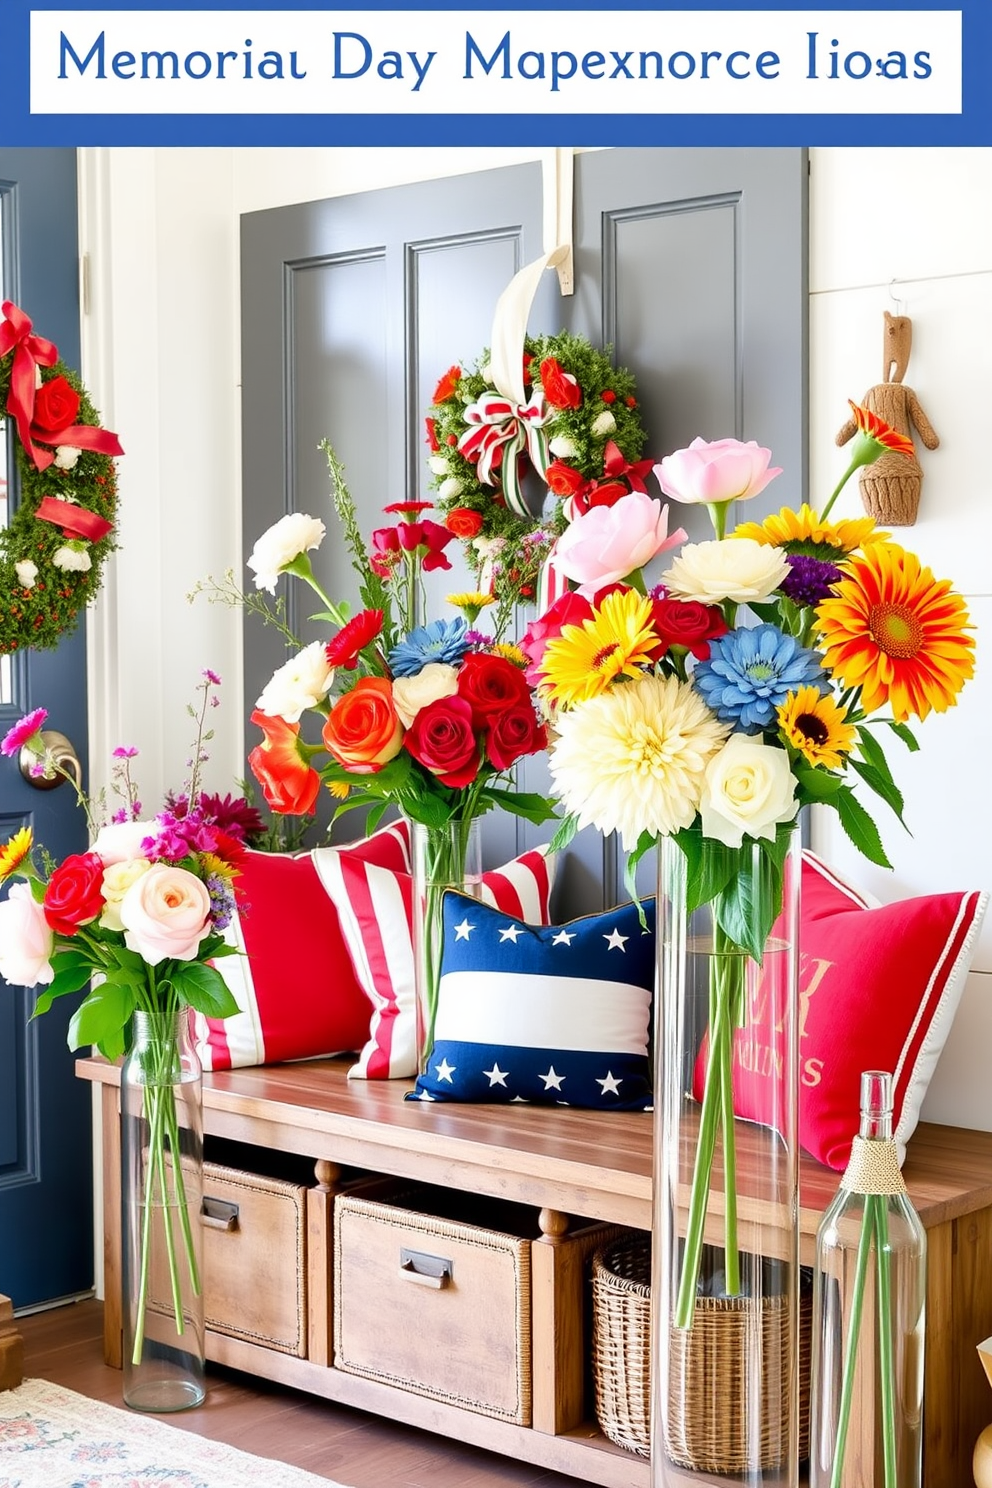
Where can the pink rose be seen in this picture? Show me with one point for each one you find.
(716, 470)
(608, 543)
(165, 914)
(119, 842)
(26, 939)
(569, 608)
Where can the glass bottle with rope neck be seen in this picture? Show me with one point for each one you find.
(869, 1316)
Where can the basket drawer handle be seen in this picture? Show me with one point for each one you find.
(218, 1214)
(426, 1270)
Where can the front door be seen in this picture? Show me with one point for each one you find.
(46, 1227)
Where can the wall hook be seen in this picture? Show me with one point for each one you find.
(896, 299)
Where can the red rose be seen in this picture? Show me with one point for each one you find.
(464, 522)
(607, 493)
(55, 406)
(430, 428)
(686, 622)
(489, 684)
(442, 738)
(564, 480)
(289, 784)
(74, 895)
(515, 732)
(447, 385)
(560, 387)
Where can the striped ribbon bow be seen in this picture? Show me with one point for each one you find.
(499, 431)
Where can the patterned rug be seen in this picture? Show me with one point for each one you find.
(54, 1438)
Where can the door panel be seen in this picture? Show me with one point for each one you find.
(690, 263)
(46, 1247)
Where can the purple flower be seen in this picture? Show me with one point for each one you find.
(211, 677)
(810, 580)
(24, 731)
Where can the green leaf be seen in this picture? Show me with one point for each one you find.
(748, 907)
(101, 1015)
(68, 978)
(645, 842)
(817, 785)
(113, 1045)
(375, 816)
(881, 782)
(566, 830)
(534, 807)
(710, 866)
(330, 619)
(905, 734)
(860, 828)
(204, 989)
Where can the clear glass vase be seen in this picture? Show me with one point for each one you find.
(161, 1194)
(725, 1254)
(869, 1316)
(447, 857)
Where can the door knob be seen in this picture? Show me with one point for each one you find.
(58, 751)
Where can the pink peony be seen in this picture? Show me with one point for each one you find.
(165, 914)
(716, 470)
(26, 939)
(607, 543)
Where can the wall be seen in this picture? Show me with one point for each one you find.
(162, 359)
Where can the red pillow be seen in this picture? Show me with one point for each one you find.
(298, 995)
(878, 989)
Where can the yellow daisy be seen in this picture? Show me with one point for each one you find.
(618, 639)
(511, 652)
(339, 789)
(15, 852)
(898, 633)
(470, 603)
(802, 531)
(817, 727)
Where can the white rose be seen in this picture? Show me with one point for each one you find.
(450, 488)
(26, 939)
(117, 879)
(603, 424)
(118, 842)
(438, 464)
(26, 572)
(276, 549)
(748, 789)
(436, 680)
(563, 447)
(739, 569)
(73, 557)
(66, 456)
(301, 683)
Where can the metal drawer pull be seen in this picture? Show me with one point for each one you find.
(426, 1270)
(218, 1214)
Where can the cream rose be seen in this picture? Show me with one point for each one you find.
(117, 879)
(165, 914)
(285, 541)
(119, 841)
(711, 572)
(26, 939)
(436, 680)
(748, 789)
(300, 683)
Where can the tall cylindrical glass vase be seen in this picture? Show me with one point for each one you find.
(725, 1255)
(161, 1193)
(444, 857)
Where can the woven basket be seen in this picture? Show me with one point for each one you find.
(707, 1414)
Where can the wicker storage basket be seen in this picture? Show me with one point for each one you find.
(707, 1417)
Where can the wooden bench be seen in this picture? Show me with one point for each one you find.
(565, 1163)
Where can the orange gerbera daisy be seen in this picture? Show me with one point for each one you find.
(870, 426)
(898, 633)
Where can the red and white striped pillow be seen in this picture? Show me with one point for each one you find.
(297, 994)
(375, 908)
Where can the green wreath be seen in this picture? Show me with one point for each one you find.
(580, 429)
(53, 546)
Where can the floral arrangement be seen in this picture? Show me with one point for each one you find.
(755, 679)
(53, 544)
(142, 913)
(580, 430)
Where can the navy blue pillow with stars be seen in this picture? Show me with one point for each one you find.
(553, 1014)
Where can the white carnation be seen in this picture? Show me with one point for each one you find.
(603, 424)
(437, 464)
(66, 456)
(26, 572)
(739, 569)
(562, 447)
(449, 488)
(436, 680)
(748, 789)
(301, 683)
(73, 557)
(276, 549)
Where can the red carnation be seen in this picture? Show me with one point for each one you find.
(447, 385)
(464, 522)
(564, 480)
(560, 388)
(361, 630)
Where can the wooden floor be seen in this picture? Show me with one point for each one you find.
(65, 1346)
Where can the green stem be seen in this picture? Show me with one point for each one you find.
(885, 1352)
(839, 487)
(163, 1094)
(851, 1346)
(685, 1305)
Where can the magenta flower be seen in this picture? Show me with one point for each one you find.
(25, 731)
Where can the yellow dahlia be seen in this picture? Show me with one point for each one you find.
(817, 727)
(898, 633)
(618, 639)
(803, 531)
(633, 759)
(15, 853)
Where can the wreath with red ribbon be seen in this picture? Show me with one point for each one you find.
(579, 428)
(62, 526)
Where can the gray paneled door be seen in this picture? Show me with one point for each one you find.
(691, 263)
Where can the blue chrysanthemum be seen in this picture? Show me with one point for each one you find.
(810, 580)
(441, 640)
(751, 672)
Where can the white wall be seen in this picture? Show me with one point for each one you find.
(162, 361)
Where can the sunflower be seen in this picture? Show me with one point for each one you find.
(816, 727)
(618, 638)
(15, 853)
(804, 532)
(898, 633)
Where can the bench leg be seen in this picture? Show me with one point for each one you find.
(11, 1348)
